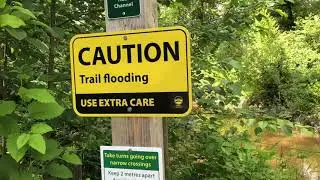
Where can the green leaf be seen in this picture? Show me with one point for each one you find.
(28, 4)
(41, 95)
(11, 20)
(307, 132)
(72, 158)
(8, 125)
(41, 128)
(38, 143)
(16, 33)
(257, 130)
(52, 151)
(24, 11)
(235, 64)
(21, 16)
(46, 27)
(272, 127)
(281, 13)
(7, 166)
(286, 129)
(59, 31)
(235, 88)
(292, 1)
(38, 44)
(263, 124)
(45, 111)
(59, 171)
(22, 140)
(2, 3)
(251, 122)
(7, 107)
(21, 176)
(22, 93)
(16, 154)
(16, 3)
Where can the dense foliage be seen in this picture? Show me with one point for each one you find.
(254, 61)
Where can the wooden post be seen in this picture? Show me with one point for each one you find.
(143, 132)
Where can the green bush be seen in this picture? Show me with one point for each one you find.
(283, 69)
(198, 151)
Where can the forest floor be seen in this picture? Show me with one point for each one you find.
(298, 151)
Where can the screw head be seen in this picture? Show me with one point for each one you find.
(129, 109)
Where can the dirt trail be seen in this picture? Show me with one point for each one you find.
(299, 151)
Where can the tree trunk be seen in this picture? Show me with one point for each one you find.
(290, 20)
(52, 44)
(3, 85)
(4, 70)
(77, 175)
(139, 132)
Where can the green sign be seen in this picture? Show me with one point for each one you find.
(131, 163)
(131, 160)
(123, 8)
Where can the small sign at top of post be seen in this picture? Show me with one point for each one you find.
(123, 8)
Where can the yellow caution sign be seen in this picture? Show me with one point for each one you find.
(133, 73)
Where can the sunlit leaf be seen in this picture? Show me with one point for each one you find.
(11, 20)
(72, 158)
(38, 143)
(22, 140)
(251, 122)
(263, 124)
(41, 128)
(281, 13)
